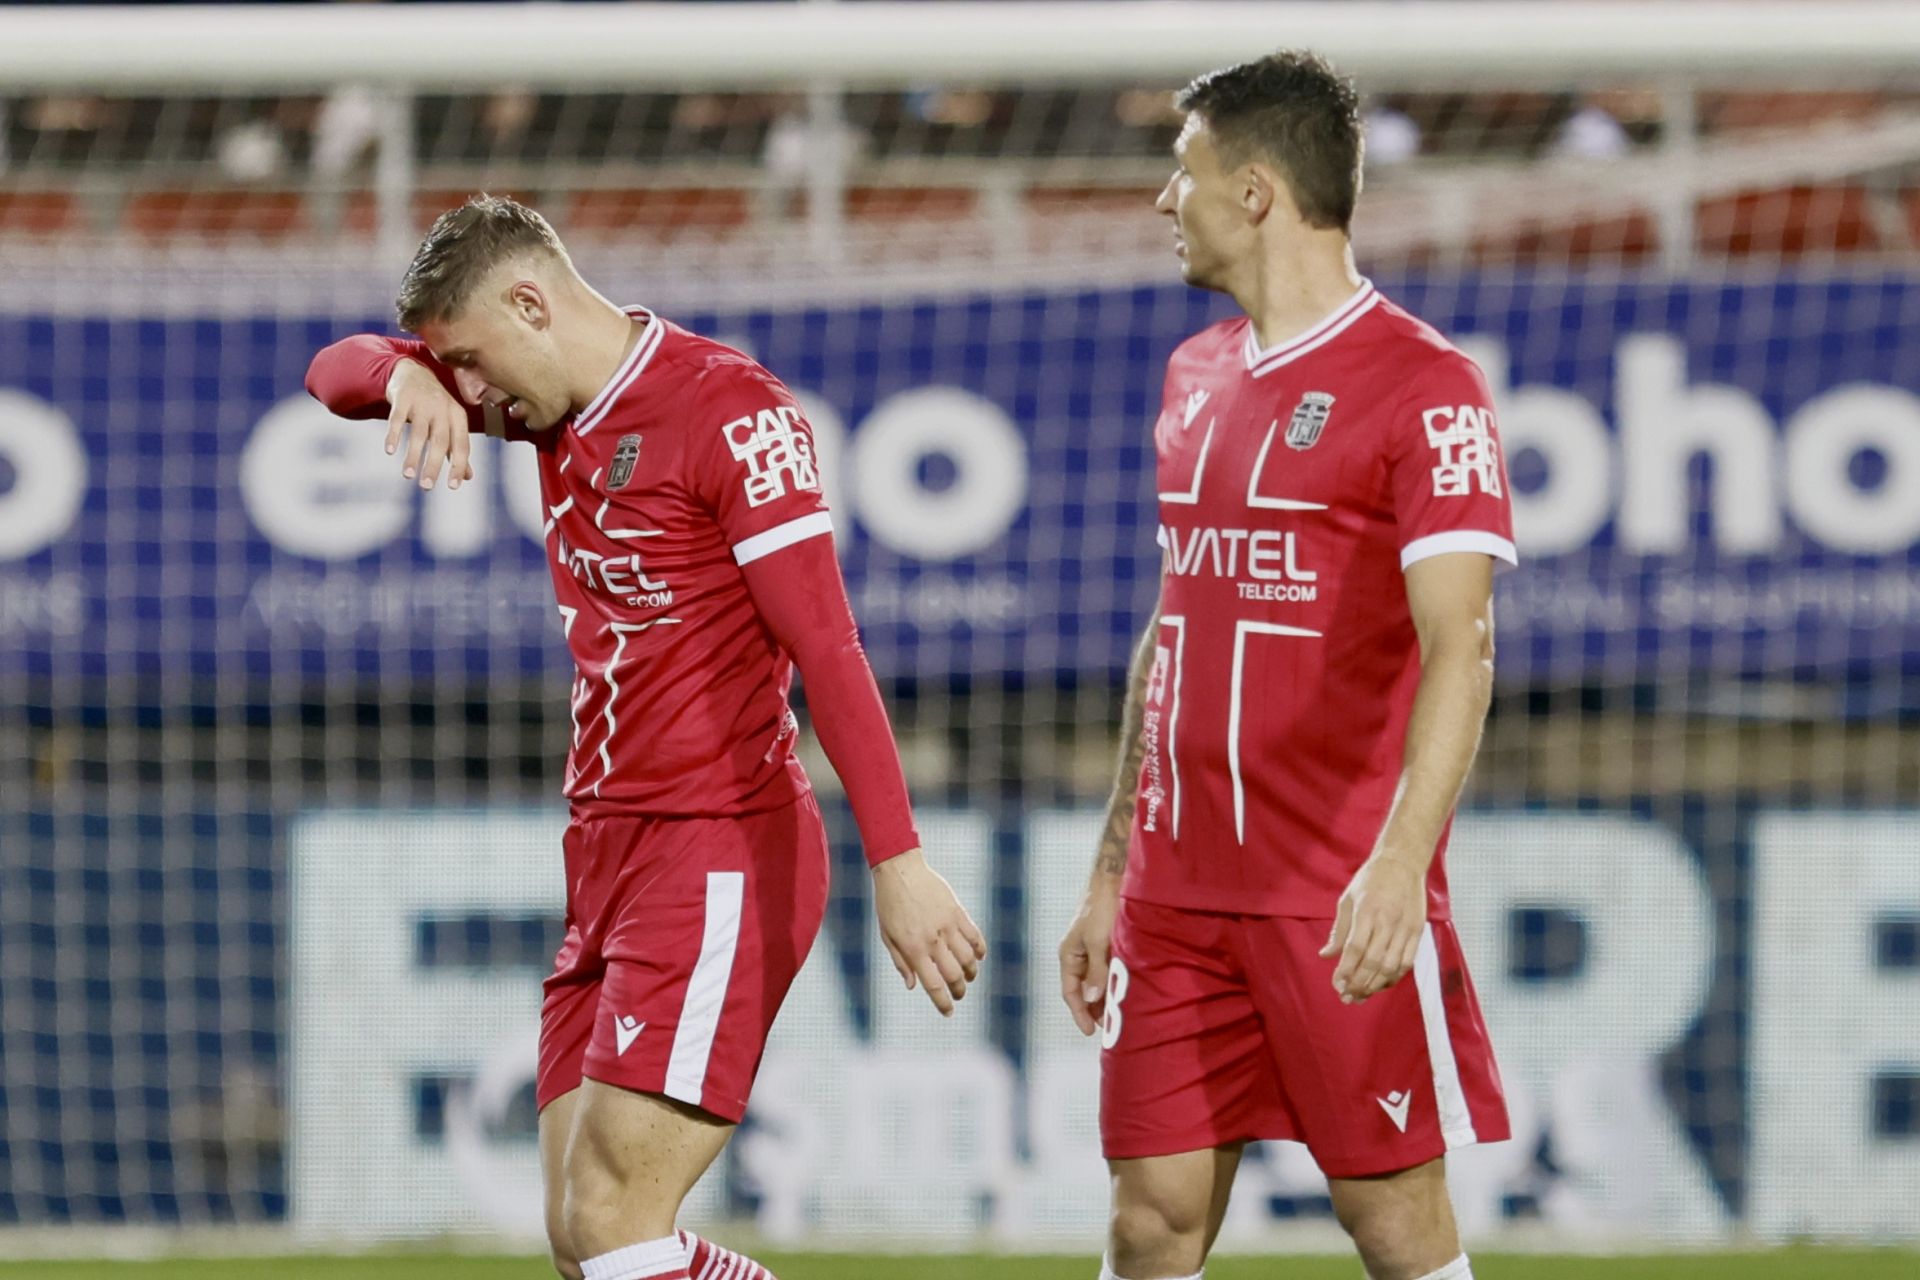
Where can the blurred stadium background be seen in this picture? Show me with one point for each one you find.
(280, 742)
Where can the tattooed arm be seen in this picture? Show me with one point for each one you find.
(1084, 951)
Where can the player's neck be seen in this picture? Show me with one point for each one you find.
(604, 336)
(1293, 289)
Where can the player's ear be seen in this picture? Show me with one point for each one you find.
(1260, 191)
(529, 302)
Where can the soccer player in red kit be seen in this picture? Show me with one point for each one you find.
(693, 564)
(1301, 716)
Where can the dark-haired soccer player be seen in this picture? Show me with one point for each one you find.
(1301, 716)
(693, 563)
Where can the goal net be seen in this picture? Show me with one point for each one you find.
(280, 741)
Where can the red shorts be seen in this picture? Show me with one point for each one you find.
(1226, 1028)
(683, 935)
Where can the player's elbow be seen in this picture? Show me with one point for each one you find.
(819, 653)
(1483, 643)
(1465, 642)
(315, 387)
(323, 382)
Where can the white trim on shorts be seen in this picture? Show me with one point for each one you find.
(1450, 1097)
(706, 989)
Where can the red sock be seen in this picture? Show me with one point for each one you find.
(709, 1261)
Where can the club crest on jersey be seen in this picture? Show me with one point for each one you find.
(1309, 420)
(625, 454)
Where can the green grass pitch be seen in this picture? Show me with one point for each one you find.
(1783, 1265)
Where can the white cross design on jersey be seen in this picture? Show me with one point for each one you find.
(620, 630)
(1244, 630)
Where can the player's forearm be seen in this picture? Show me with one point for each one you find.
(801, 597)
(350, 377)
(851, 721)
(1112, 859)
(1443, 735)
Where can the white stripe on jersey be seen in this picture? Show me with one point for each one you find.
(621, 630)
(747, 550)
(1241, 630)
(635, 364)
(554, 515)
(578, 694)
(1439, 544)
(1179, 624)
(707, 989)
(1456, 1121)
(1254, 499)
(1192, 496)
(600, 518)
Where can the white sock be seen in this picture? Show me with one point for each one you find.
(1455, 1270)
(666, 1258)
(1107, 1272)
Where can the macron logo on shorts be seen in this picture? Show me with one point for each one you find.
(1395, 1105)
(626, 1030)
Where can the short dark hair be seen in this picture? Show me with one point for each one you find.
(1296, 111)
(461, 247)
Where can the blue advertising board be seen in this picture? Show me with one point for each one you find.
(1708, 476)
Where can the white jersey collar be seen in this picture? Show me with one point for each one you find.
(1364, 299)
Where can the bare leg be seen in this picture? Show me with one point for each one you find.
(630, 1160)
(1167, 1211)
(1402, 1223)
(556, 1126)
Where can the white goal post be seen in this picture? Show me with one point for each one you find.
(581, 46)
(388, 57)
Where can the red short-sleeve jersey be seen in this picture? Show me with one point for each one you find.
(1296, 484)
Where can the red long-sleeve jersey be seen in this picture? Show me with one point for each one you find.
(692, 559)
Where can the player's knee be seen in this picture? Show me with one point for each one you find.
(590, 1194)
(1156, 1229)
(564, 1263)
(559, 1243)
(1393, 1237)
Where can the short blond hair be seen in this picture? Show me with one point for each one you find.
(461, 247)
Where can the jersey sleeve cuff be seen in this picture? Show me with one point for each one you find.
(906, 843)
(747, 550)
(1505, 555)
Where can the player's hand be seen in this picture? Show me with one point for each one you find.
(439, 435)
(1376, 931)
(1085, 951)
(933, 941)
